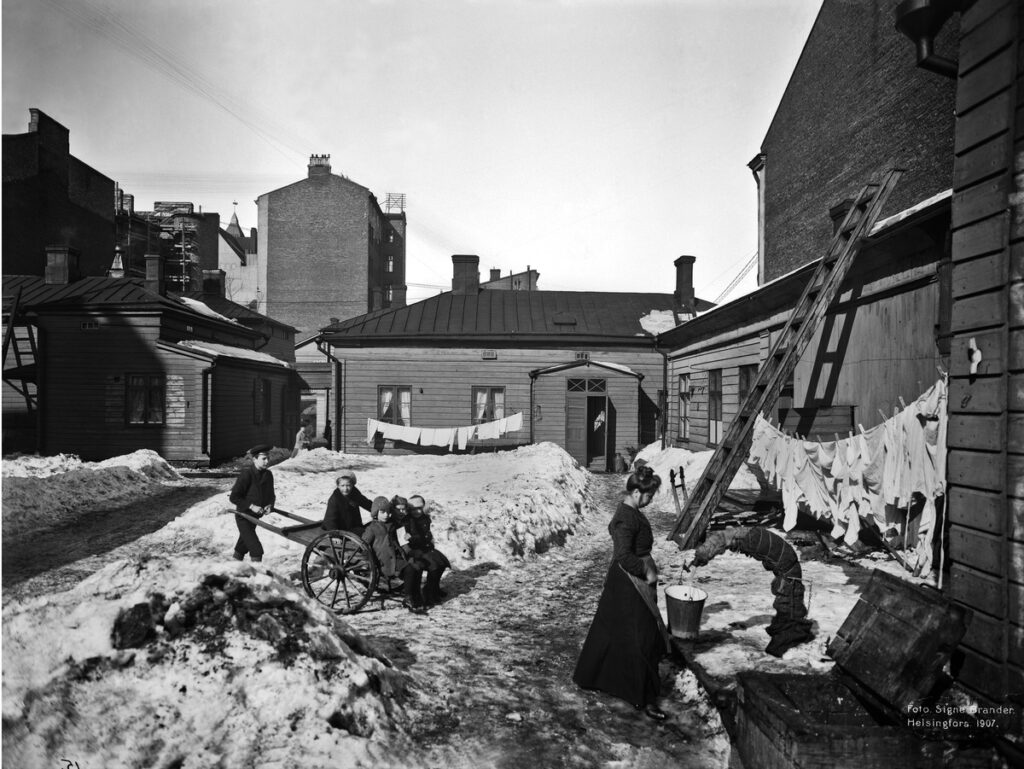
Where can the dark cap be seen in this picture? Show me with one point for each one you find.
(263, 448)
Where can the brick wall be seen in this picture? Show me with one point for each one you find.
(855, 106)
(315, 237)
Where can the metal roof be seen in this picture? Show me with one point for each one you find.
(509, 314)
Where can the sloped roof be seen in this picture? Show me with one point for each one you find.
(117, 293)
(234, 310)
(509, 314)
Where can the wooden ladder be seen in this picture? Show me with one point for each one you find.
(21, 377)
(817, 297)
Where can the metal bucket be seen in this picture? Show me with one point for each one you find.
(685, 604)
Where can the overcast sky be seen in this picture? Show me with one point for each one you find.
(594, 140)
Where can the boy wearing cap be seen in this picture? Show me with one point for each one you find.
(252, 493)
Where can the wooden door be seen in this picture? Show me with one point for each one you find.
(576, 426)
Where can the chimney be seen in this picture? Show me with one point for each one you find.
(465, 274)
(117, 267)
(495, 274)
(61, 265)
(213, 283)
(686, 300)
(319, 165)
(155, 274)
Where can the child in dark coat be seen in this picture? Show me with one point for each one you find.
(421, 550)
(344, 504)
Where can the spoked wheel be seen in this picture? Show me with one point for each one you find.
(340, 571)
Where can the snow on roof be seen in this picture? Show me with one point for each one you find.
(227, 351)
(616, 366)
(658, 321)
(203, 309)
(908, 212)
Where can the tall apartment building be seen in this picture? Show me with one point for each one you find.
(327, 250)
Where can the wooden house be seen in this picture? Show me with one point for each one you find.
(103, 366)
(940, 280)
(581, 367)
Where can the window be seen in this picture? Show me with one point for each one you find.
(389, 293)
(747, 376)
(586, 385)
(145, 395)
(394, 404)
(261, 401)
(488, 404)
(389, 264)
(715, 405)
(684, 407)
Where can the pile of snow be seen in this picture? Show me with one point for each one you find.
(42, 492)
(493, 506)
(658, 321)
(222, 665)
(663, 461)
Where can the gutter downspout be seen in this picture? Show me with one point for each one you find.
(533, 381)
(337, 377)
(663, 418)
(207, 416)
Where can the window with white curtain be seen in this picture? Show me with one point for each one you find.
(145, 395)
(488, 404)
(394, 404)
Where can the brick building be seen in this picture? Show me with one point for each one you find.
(327, 250)
(854, 104)
(51, 198)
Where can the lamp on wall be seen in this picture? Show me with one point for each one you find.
(921, 21)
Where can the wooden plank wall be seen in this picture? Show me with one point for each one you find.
(623, 391)
(442, 380)
(726, 357)
(233, 428)
(986, 440)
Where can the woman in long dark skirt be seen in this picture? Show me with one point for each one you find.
(621, 654)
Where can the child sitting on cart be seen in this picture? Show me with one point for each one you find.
(421, 551)
(344, 504)
(381, 535)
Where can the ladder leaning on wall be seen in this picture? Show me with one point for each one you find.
(819, 294)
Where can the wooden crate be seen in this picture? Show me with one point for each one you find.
(889, 655)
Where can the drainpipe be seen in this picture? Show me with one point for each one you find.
(533, 381)
(207, 417)
(338, 372)
(663, 418)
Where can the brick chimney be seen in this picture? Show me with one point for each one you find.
(213, 283)
(495, 274)
(319, 165)
(465, 274)
(61, 265)
(685, 298)
(155, 274)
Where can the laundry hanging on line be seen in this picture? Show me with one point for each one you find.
(442, 436)
(865, 476)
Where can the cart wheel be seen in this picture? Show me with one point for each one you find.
(340, 571)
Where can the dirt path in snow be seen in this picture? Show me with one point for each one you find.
(55, 559)
(494, 662)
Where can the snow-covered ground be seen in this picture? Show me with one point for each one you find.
(173, 654)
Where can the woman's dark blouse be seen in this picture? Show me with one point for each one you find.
(632, 539)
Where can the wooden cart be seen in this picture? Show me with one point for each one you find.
(338, 568)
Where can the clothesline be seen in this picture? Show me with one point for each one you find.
(443, 436)
(868, 476)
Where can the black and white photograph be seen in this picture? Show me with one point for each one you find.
(512, 384)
